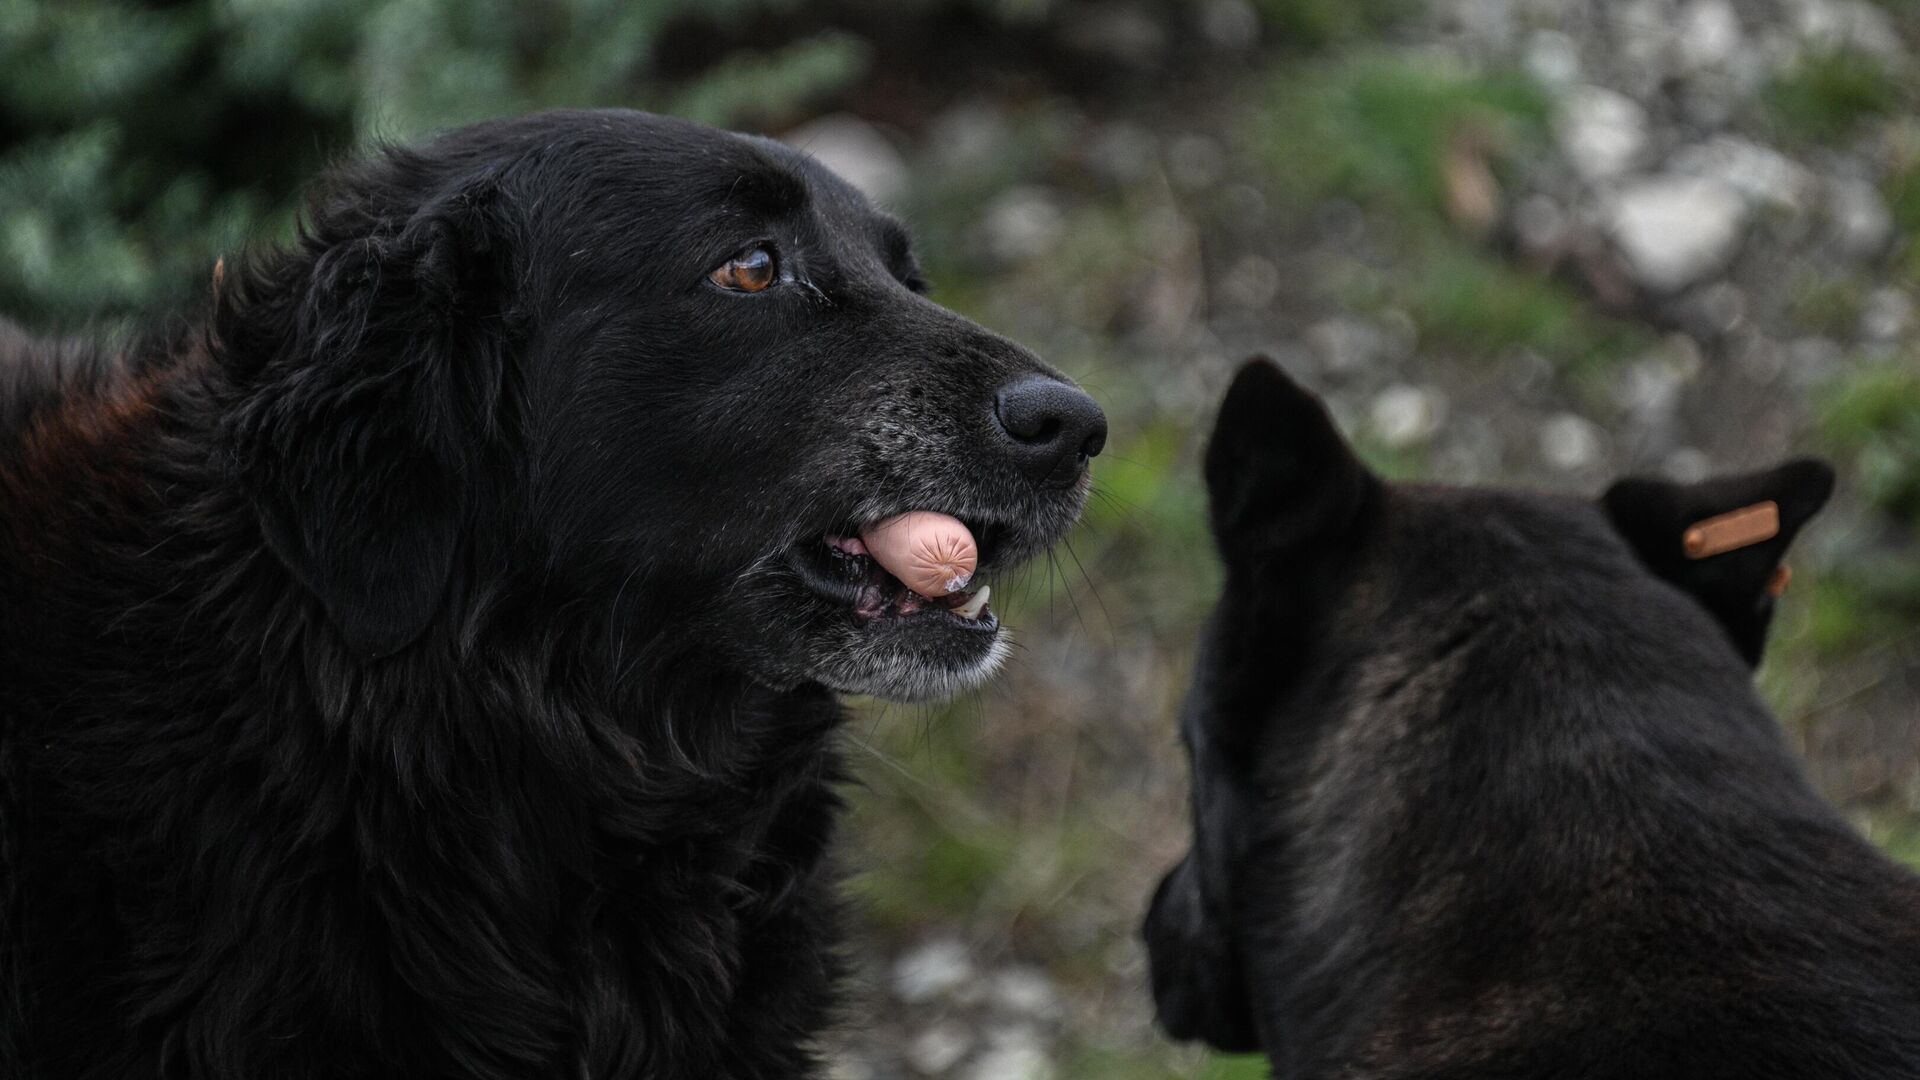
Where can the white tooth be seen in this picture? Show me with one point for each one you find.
(972, 608)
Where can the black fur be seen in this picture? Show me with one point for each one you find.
(1482, 789)
(412, 669)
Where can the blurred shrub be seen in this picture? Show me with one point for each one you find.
(1828, 94)
(1325, 22)
(1871, 420)
(137, 142)
(1381, 129)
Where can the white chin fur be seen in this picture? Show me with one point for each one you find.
(909, 679)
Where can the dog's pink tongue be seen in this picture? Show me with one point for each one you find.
(930, 553)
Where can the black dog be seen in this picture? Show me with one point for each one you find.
(1482, 788)
(425, 667)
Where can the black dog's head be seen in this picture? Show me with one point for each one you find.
(642, 368)
(1350, 611)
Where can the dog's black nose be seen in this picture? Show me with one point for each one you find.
(1052, 427)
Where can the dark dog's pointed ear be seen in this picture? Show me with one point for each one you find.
(1724, 540)
(1279, 474)
(371, 356)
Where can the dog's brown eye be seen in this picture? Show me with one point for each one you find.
(750, 272)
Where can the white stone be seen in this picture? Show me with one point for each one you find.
(1025, 991)
(969, 137)
(1553, 57)
(1687, 465)
(1541, 226)
(1849, 24)
(1602, 132)
(1762, 174)
(1345, 344)
(1252, 282)
(1014, 1052)
(1231, 24)
(1861, 222)
(1675, 230)
(1196, 162)
(1022, 223)
(1570, 443)
(1709, 33)
(1403, 415)
(848, 1068)
(856, 151)
(938, 1048)
(1012, 1063)
(932, 970)
(1888, 315)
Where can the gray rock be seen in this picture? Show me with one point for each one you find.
(1022, 223)
(1861, 223)
(1541, 227)
(856, 151)
(1196, 162)
(1571, 443)
(1252, 282)
(1403, 415)
(1553, 57)
(1888, 315)
(968, 138)
(1117, 32)
(1230, 24)
(1848, 24)
(1346, 345)
(939, 1048)
(933, 970)
(1675, 230)
(1025, 991)
(1762, 174)
(1602, 132)
(1687, 465)
(1710, 33)
(1013, 1053)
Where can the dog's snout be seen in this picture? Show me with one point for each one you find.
(1051, 427)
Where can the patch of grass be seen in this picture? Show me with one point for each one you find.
(1874, 416)
(1870, 422)
(1827, 95)
(1471, 302)
(1378, 128)
(1830, 305)
(1318, 23)
(1898, 834)
(1474, 303)
(1237, 1067)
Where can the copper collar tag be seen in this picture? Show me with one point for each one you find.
(1732, 531)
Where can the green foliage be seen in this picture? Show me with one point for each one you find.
(1315, 23)
(1238, 1067)
(1870, 421)
(140, 143)
(1874, 417)
(1899, 834)
(1830, 305)
(1827, 95)
(1377, 128)
(1466, 300)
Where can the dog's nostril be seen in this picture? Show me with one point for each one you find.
(1051, 426)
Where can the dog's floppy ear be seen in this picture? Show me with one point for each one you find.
(1279, 474)
(1723, 540)
(371, 358)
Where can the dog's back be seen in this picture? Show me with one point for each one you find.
(1483, 789)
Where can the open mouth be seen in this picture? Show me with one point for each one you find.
(839, 567)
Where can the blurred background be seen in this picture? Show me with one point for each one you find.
(1539, 242)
